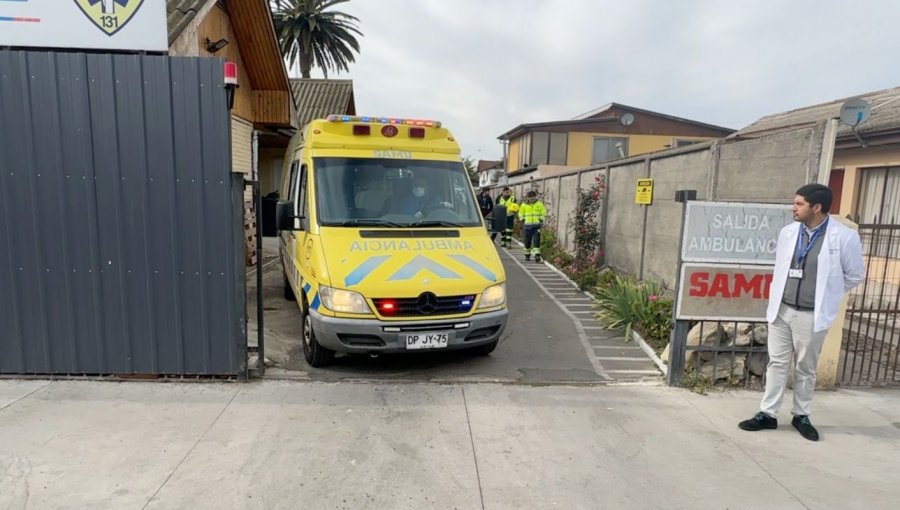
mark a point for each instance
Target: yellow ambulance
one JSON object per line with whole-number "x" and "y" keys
{"x": 382, "y": 243}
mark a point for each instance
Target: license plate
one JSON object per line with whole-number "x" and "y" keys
{"x": 427, "y": 340}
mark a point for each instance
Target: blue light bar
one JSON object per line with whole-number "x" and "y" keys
{"x": 384, "y": 120}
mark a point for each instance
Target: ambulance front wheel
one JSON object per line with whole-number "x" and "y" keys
{"x": 316, "y": 355}
{"x": 484, "y": 350}
{"x": 288, "y": 291}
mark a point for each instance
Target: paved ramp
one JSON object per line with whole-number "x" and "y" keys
{"x": 612, "y": 357}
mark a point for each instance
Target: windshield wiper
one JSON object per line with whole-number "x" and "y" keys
{"x": 365, "y": 223}
{"x": 430, "y": 223}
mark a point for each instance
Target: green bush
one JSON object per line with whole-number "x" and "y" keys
{"x": 626, "y": 303}
{"x": 655, "y": 321}
{"x": 587, "y": 279}
{"x": 562, "y": 260}
{"x": 607, "y": 278}
{"x": 549, "y": 246}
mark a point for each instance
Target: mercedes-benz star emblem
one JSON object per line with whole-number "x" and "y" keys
{"x": 427, "y": 303}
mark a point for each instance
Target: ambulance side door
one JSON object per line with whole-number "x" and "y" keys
{"x": 303, "y": 237}
{"x": 289, "y": 237}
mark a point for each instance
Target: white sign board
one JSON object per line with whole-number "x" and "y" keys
{"x": 132, "y": 25}
{"x": 733, "y": 232}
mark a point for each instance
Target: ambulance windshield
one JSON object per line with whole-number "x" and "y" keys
{"x": 393, "y": 192}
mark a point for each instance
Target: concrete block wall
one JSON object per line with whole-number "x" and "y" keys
{"x": 551, "y": 200}
{"x": 643, "y": 240}
{"x": 568, "y": 198}
{"x": 624, "y": 218}
{"x": 768, "y": 169}
{"x": 663, "y": 226}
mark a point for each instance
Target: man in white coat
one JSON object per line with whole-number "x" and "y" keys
{"x": 817, "y": 261}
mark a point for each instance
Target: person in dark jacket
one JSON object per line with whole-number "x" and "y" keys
{"x": 484, "y": 202}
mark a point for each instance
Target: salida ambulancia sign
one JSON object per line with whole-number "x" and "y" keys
{"x": 736, "y": 233}
{"x": 728, "y": 250}
{"x": 131, "y": 25}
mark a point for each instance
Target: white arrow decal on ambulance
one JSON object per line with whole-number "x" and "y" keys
{"x": 418, "y": 263}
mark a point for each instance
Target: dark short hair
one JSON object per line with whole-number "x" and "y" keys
{"x": 532, "y": 193}
{"x": 817, "y": 194}
{"x": 505, "y": 188}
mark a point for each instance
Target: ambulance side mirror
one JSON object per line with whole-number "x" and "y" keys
{"x": 284, "y": 216}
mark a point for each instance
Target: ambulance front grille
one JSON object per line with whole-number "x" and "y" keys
{"x": 426, "y": 305}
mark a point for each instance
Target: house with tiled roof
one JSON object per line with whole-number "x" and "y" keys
{"x": 612, "y": 131}
{"x": 489, "y": 172}
{"x": 865, "y": 170}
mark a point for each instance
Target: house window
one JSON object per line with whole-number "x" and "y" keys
{"x": 685, "y": 143}
{"x": 608, "y": 149}
{"x": 879, "y": 203}
{"x": 879, "y": 196}
{"x": 525, "y": 150}
{"x": 559, "y": 146}
{"x": 548, "y": 148}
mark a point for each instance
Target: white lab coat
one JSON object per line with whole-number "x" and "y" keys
{"x": 840, "y": 270}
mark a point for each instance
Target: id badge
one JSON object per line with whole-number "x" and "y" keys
{"x": 795, "y": 273}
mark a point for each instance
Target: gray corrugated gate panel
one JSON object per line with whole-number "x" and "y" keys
{"x": 118, "y": 247}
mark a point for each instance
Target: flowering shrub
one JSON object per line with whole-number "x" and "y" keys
{"x": 585, "y": 222}
{"x": 654, "y": 321}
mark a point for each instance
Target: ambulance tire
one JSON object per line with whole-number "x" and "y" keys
{"x": 486, "y": 349}
{"x": 316, "y": 355}
{"x": 288, "y": 291}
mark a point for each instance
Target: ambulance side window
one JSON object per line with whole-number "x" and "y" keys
{"x": 302, "y": 210}
{"x": 292, "y": 183}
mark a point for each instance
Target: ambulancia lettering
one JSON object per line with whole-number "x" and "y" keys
{"x": 418, "y": 245}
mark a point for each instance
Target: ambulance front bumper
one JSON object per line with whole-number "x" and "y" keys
{"x": 377, "y": 336}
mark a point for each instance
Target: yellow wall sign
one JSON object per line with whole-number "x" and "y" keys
{"x": 644, "y": 194}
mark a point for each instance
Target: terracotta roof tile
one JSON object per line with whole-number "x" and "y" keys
{"x": 318, "y": 98}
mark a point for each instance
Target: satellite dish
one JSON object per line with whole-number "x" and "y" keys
{"x": 626, "y": 119}
{"x": 854, "y": 112}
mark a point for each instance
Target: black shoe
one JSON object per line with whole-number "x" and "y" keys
{"x": 761, "y": 421}
{"x": 537, "y": 258}
{"x": 527, "y": 257}
{"x": 806, "y": 429}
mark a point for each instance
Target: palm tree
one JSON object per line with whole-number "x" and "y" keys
{"x": 310, "y": 35}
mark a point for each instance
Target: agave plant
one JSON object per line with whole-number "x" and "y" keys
{"x": 625, "y": 302}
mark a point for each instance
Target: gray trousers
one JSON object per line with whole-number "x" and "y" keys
{"x": 792, "y": 339}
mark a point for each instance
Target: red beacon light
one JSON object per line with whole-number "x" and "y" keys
{"x": 231, "y": 82}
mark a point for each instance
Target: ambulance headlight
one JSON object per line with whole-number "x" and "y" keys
{"x": 493, "y": 296}
{"x": 343, "y": 301}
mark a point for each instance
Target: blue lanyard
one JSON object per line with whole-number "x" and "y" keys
{"x": 801, "y": 254}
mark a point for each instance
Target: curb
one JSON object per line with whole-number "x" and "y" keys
{"x": 264, "y": 267}
{"x": 638, "y": 339}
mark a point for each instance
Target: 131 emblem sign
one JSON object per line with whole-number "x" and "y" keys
{"x": 110, "y": 16}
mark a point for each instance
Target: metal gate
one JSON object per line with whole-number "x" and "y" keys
{"x": 870, "y": 351}
{"x": 121, "y": 245}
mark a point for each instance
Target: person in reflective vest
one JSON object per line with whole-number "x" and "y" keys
{"x": 508, "y": 200}
{"x": 532, "y": 213}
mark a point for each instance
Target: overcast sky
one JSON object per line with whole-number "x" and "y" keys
{"x": 485, "y": 66}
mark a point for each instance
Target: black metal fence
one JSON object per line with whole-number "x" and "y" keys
{"x": 870, "y": 351}
{"x": 120, "y": 233}
{"x": 718, "y": 353}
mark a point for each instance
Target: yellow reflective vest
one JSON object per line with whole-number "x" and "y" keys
{"x": 532, "y": 214}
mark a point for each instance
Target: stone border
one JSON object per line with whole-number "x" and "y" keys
{"x": 638, "y": 339}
